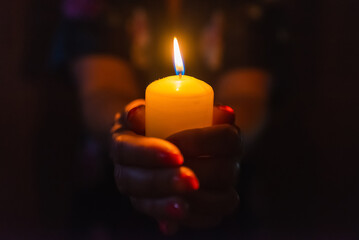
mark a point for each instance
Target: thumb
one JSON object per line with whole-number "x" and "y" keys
{"x": 223, "y": 114}
{"x": 135, "y": 116}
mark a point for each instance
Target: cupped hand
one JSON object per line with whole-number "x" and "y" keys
{"x": 187, "y": 179}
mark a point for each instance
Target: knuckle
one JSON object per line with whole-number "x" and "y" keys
{"x": 118, "y": 123}
{"x": 118, "y": 147}
{"x": 231, "y": 132}
{"x": 121, "y": 180}
{"x": 234, "y": 173}
{"x": 232, "y": 139}
{"x": 118, "y": 178}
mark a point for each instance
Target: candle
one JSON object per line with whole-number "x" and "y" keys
{"x": 178, "y": 102}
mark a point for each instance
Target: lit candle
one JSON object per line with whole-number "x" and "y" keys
{"x": 178, "y": 102}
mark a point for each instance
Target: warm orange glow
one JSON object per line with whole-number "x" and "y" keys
{"x": 226, "y": 108}
{"x": 176, "y": 103}
{"x": 189, "y": 177}
{"x": 177, "y": 58}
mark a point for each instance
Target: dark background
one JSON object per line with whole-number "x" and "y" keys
{"x": 303, "y": 183}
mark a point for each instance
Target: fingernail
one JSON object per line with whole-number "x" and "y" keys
{"x": 135, "y": 120}
{"x": 132, "y": 112}
{"x": 226, "y": 114}
{"x": 167, "y": 228}
{"x": 176, "y": 209}
{"x": 185, "y": 181}
{"x": 225, "y": 108}
{"x": 168, "y": 157}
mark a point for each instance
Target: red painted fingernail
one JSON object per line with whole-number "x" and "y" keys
{"x": 225, "y": 108}
{"x": 132, "y": 112}
{"x": 176, "y": 209}
{"x": 168, "y": 157}
{"x": 223, "y": 114}
{"x": 185, "y": 181}
{"x": 135, "y": 121}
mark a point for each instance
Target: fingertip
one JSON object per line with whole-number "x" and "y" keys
{"x": 223, "y": 114}
{"x": 168, "y": 153}
{"x": 188, "y": 174}
{"x": 136, "y": 119}
{"x": 186, "y": 180}
{"x": 177, "y": 209}
{"x": 225, "y": 108}
{"x": 134, "y": 104}
{"x": 175, "y": 159}
{"x": 168, "y": 228}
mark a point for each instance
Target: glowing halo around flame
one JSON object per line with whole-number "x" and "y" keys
{"x": 178, "y": 62}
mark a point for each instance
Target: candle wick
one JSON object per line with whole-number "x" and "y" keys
{"x": 180, "y": 75}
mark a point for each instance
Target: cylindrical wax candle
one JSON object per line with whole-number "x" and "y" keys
{"x": 176, "y": 103}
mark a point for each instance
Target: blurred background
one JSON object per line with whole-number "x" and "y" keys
{"x": 302, "y": 183}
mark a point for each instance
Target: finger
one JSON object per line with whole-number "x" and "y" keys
{"x": 118, "y": 125}
{"x": 201, "y": 221}
{"x": 214, "y": 173}
{"x": 131, "y": 118}
{"x": 135, "y": 115}
{"x": 168, "y": 227}
{"x": 223, "y": 114}
{"x": 212, "y": 203}
{"x": 219, "y": 140}
{"x": 136, "y": 119}
{"x": 173, "y": 208}
{"x": 134, "y": 150}
{"x": 138, "y": 182}
{"x": 133, "y": 104}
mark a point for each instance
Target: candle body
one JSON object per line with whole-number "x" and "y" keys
{"x": 177, "y": 103}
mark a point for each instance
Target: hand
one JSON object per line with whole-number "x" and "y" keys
{"x": 163, "y": 184}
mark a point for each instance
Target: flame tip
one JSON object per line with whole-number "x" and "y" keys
{"x": 178, "y": 62}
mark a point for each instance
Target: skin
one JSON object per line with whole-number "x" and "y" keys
{"x": 107, "y": 84}
{"x": 186, "y": 180}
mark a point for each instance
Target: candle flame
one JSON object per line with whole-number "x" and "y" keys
{"x": 179, "y": 67}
